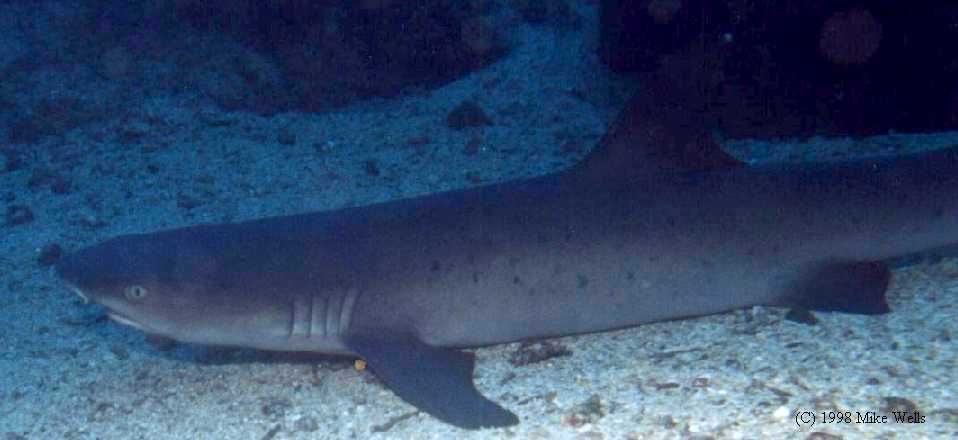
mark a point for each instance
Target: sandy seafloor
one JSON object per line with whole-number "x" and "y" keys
{"x": 65, "y": 373}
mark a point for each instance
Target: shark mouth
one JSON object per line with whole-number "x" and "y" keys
{"x": 86, "y": 300}
{"x": 125, "y": 321}
{"x": 74, "y": 289}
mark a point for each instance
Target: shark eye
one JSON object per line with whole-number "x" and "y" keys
{"x": 134, "y": 292}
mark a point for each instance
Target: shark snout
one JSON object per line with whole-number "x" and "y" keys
{"x": 69, "y": 268}
{"x": 74, "y": 272}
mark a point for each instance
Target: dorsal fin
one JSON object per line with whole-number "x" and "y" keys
{"x": 655, "y": 133}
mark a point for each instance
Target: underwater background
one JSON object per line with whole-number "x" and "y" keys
{"x": 130, "y": 117}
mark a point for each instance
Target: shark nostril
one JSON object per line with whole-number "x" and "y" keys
{"x": 61, "y": 268}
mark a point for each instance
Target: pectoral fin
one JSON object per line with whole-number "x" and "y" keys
{"x": 435, "y": 380}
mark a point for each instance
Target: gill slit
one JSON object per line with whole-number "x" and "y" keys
{"x": 309, "y": 316}
{"x": 328, "y": 316}
{"x": 292, "y": 319}
{"x": 316, "y": 316}
{"x": 332, "y": 318}
{"x": 346, "y": 312}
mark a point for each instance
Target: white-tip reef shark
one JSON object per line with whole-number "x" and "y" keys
{"x": 657, "y": 224}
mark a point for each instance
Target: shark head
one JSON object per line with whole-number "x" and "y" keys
{"x": 126, "y": 276}
{"x": 161, "y": 284}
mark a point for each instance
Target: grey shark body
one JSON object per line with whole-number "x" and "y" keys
{"x": 632, "y": 236}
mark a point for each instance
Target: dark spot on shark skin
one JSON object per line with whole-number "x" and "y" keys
{"x": 630, "y": 275}
{"x": 516, "y": 280}
{"x": 488, "y": 211}
{"x": 434, "y": 266}
{"x": 475, "y": 277}
{"x": 542, "y": 238}
{"x": 939, "y": 212}
{"x": 901, "y": 199}
{"x": 581, "y": 281}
